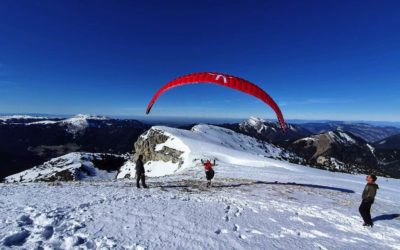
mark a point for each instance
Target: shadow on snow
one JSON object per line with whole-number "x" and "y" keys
{"x": 343, "y": 190}
{"x": 386, "y": 217}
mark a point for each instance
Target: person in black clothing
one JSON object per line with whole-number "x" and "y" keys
{"x": 140, "y": 172}
{"x": 368, "y": 197}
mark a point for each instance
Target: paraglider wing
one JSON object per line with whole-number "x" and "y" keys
{"x": 224, "y": 80}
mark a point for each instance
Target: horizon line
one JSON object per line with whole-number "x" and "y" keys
{"x": 197, "y": 117}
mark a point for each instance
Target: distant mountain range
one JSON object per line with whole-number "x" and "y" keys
{"x": 27, "y": 141}
{"x": 366, "y": 131}
{"x": 333, "y": 146}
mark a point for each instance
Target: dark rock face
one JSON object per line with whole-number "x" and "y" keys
{"x": 389, "y": 161}
{"x": 392, "y": 142}
{"x": 146, "y": 146}
{"x": 24, "y": 144}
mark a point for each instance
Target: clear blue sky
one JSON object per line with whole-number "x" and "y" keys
{"x": 317, "y": 59}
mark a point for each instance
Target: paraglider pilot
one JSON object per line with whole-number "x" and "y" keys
{"x": 140, "y": 172}
{"x": 209, "y": 171}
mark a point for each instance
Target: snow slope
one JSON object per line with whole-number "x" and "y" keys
{"x": 208, "y": 142}
{"x": 278, "y": 206}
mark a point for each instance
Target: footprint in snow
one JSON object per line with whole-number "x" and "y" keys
{"x": 24, "y": 220}
{"x": 254, "y": 231}
{"x": 227, "y": 208}
{"x": 243, "y": 237}
{"x": 226, "y": 218}
{"x": 16, "y": 239}
{"x": 47, "y": 232}
{"x": 219, "y": 231}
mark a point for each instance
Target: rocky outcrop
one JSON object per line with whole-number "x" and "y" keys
{"x": 150, "y": 146}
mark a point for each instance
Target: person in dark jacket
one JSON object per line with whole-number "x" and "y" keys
{"x": 140, "y": 172}
{"x": 368, "y": 197}
{"x": 209, "y": 171}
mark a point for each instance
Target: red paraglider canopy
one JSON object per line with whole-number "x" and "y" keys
{"x": 224, "y": 80}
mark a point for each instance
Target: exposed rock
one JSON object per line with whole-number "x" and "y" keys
{"x": 146, "y": 146}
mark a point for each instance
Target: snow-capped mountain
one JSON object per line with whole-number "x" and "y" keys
{"x": 368, "y": 132}
{"x": 72, "y": 167}
{"x": 338, "y": 151}
{"x": 74, "y": 124}
{"x": 170, "y": 150}
{"x": 20, "y": 119}
{"x": 269, "y": 131}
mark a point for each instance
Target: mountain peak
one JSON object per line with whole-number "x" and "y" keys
{"x": 255, "y": 120}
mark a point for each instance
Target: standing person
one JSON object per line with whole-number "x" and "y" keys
{"x": 140, "y": 172}
{"x": 368, "y": 197}
{"x": 209, "y": 171}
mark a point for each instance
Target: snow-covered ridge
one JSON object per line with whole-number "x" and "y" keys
{"x": 341, "y": 137}
{"x": 73, "y": 125}
{"x": 204, "y": 142}
{"x": 21, "y": 117}
{"x": 72, "y": 166}
{"x": 80, "y": 122}
{"x": 271, "y": 130}
{"x": 337, "y": 136}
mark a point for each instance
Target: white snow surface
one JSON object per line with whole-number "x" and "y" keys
{"x": 278, "y": 206}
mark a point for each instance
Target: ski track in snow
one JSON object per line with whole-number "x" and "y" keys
{"x": 245, "y": 209}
